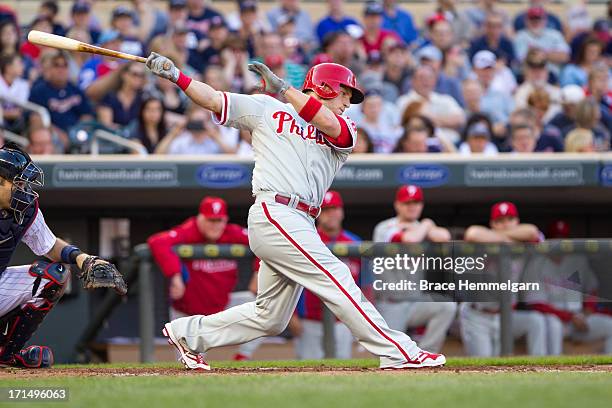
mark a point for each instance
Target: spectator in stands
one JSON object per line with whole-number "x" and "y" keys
{"x": 445, "y": 85}
{"x": 552, "y": 21}
{"x": 65, "y": 102}
{"x": 600, "y": 30}
{"x": 588, "y": 116}
{"x": 550, "y": 139}
{"x": 497, "y": 104}
{"x": 211, "y": 53}
{"x": 396, "y": 72}
{"x": 149, "y": 19}
{"x": 480, "y": 13}
{"x": 77, "y": 59}
{"x": 49, "y": 9}
{"x": 480, "y": 321}
{"x": 477, "y": 136}
{"x": 174, "y": 44}
{"x": 494, "y": 40}
{"x": 337, "y": 20}
{"x": 201, "y": 136}
{"x": 374, "y": 37}
{"x": 589, "y": 54}
{"x": 203, "y": 287}
{"x": 33, "y": 51}
{"x": 119, "y": 108}
{"x": 150, "y": 127}
{"x": 462, "y": 29}
{"x": 364, "y": 143}
{"x": 175, "y": 16}
{"x": 384, "y": 134}
{"x": 580, "y": 141}
{"x": 341, "y": 49}
{"x": 598, "y": 87}
{"x": 15, "y": 88}
{"x": 443, "y": 110}
{"x": 309, "y": 345}
{"x": 271, "y": 44}
{"x": 414, "y": 120}
{"x": 455, "y": 63}
{"x": 304, "y": 29}
{"x": 415, "y": 140}
{"x": 523, "y": 138}
{"x": 200, "y": 16}
{"x": 249, "y": 26}
{"x": 535, "y": 69}
{"x": 122, "y": 20}
{"x": 577, "y": 19}
{"x": 571, "y": 96}
{"x": 440, "y": 32}
{"x": 294, "y": 50}
{"x": 412, "y": 309}
{"x": 9, "y": 45}
{"x": 41, "y": 141}
{"x": 537, "y": 35}
{"x": 100, "y": 74}
{"x": 399, "y": 20}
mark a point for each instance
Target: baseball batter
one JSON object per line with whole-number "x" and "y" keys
{"x": 298, "y": 148}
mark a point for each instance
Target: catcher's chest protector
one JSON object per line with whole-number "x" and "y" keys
{"x": 11, "y": 233}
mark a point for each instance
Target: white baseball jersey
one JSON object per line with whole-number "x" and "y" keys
{"x": 384, "y": 230}
{"x": 291, "y": 156}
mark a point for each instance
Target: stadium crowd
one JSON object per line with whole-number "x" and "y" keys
{"x": 470, "y": 79}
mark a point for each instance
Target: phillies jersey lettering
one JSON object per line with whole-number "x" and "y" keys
{"x": 291, "y": 156}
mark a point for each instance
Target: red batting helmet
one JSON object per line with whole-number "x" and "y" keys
{"x": 332, "y": 75}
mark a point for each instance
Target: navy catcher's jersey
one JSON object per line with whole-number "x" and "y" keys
{"x": 11, "y": 232}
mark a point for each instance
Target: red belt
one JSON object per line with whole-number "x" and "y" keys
{"x": 301, "y": 205}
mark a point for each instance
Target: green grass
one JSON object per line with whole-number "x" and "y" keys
{"x": 441, "y": 388}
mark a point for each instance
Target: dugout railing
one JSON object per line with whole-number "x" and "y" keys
{"x": 597, "y": 249}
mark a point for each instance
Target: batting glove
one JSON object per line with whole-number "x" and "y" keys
{"x": 271, "y": 83}
{"x": 163, "y": 67}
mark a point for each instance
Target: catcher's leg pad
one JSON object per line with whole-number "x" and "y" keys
{"x": 17, "y": 326}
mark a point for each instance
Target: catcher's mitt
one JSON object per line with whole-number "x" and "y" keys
{"x": 98, "y": 273}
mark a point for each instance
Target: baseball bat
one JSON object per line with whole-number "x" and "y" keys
{"x": 64, "y": 43}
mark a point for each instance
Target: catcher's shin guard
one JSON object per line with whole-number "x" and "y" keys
{"x": 19, "y": 325}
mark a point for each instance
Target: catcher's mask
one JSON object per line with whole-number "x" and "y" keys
{"x": 17, "y": 167}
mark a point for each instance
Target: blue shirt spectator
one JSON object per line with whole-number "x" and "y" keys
{"x": 400, "y": 21}
{"x": 337, "y": 20}
{"x": 552, "y": 21}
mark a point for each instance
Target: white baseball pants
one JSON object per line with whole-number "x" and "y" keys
{"x": 600, "y": 328}
{"x": 293, "y": 256}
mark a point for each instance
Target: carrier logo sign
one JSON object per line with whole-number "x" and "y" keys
{"x": 606, "y": 175}
{"x": 425, "y": 175}
{"x": 223, "y": 175}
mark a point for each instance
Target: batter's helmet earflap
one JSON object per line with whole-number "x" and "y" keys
{"x": 334, "y": 76}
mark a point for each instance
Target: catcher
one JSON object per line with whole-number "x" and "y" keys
{"x": 29, "y": 292}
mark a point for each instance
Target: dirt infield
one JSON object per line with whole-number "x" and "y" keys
{"x": 13, "y": 373}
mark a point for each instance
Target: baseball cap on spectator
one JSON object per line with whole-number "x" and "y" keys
{"x": 122, "y": 11}
{"x": 373, "y": 8}
{"x": 217, "y": 22}
{"x": 213, "y": 207}
{"x": 248, "y": 5}
{"x": 429, "y": 52}
{"x": 408, "y": 193}
{"x": 176, "y": 4}
{"x": 274, "y": 60}
{"x": 503, "y": 209}
{"x": 179, "y": 28}
{"x": 432, "y": 20}
{"x": 558, "y": 229}
{"x": 478, "y": 129}
{"x": 535, "y": 13}
{"x": 601, "y": 28}
{"x": 80, "y": 7}
{"x": 108, "y": 36}
{"x": 572, "y": 94}
{"x": 332, "y": 199}
{"x": 484, "y": 59}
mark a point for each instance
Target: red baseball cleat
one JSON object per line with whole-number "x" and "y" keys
{"x": 190, "y": 360}
{"x": 423, "y": 359}
{"x": 241, "y": 357}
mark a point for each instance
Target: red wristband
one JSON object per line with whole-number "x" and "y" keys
{"x": 183, "y": 81}
{"x": 310, "y": 109}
